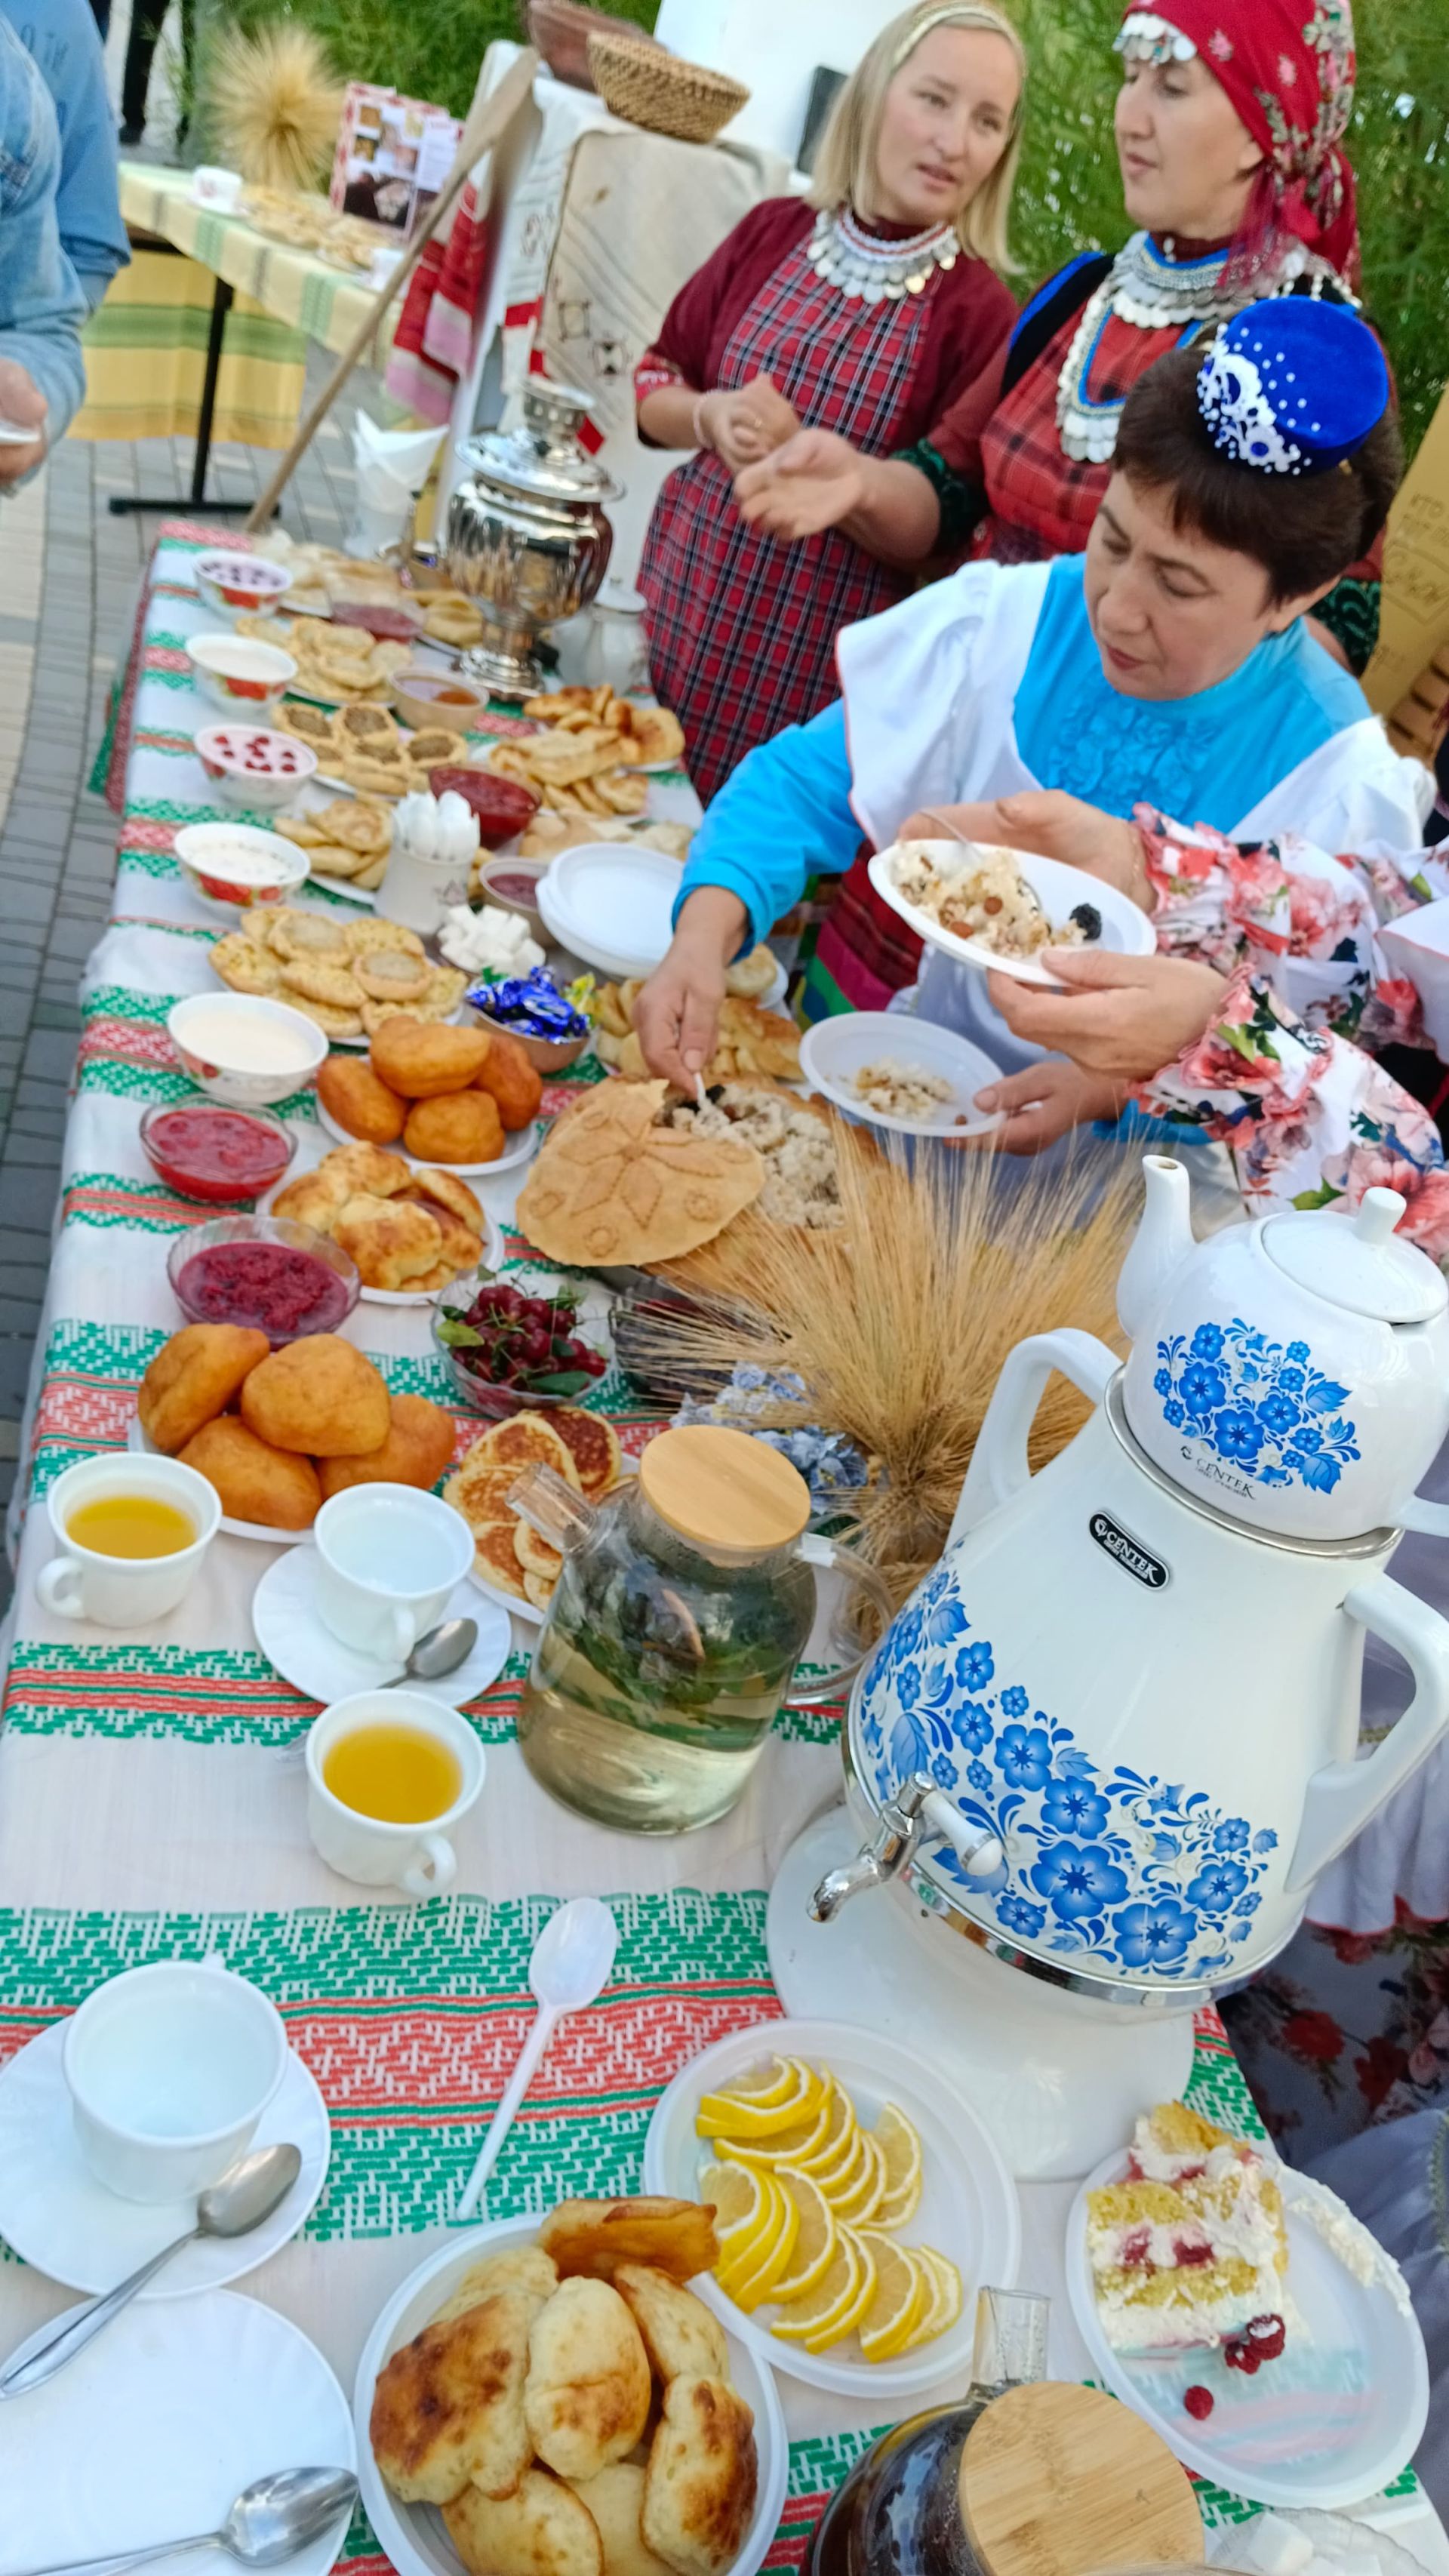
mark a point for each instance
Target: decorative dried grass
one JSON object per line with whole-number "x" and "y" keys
{"x": 899, "y": 1320}
{"x": 276, "y": 103}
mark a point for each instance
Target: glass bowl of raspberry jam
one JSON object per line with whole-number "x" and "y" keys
{"x": 264, "y": 1272}
{"x": 217, "y": 1155}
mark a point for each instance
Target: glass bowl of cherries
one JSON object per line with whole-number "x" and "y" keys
{"x": 508, "y": 1352}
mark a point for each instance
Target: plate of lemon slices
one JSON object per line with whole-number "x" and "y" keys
{"x": 859, "y": 2202}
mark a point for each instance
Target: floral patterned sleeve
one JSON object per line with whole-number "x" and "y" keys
{"x": 1309, "y": 1119}
{"x": 1286, "y": 909}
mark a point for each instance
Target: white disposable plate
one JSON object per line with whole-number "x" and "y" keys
{"x": 141, "y": 1445}
{"x": 350, "y": 893}
{"x": 1335, "y": 2418}
{"x": 154, "y": 2428}
{"x": 492, "y": 1234}
{"x": 413, "y": 2535}
{"x": 519, "y": 1147}
{"x": 834, "y": 1051}
{"x": 611, "y": 904}
{"x": 57, "y": 2217}
{"x": 1126, "y": 932}
{"x": 968, "y": 2208}
{"x": 304, "y": 1651}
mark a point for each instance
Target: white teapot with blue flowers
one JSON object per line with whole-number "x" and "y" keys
{"x": 1114, "y": 1735}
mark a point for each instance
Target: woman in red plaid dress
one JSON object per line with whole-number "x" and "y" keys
{"x": 1229, "y": 127}
{"x": 867, "y": 314}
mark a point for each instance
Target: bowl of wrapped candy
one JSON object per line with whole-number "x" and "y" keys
{"x": 551, "y": 1026}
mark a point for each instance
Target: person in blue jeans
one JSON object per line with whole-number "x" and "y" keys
{"x": 61, "y": 38}
{"x": 42, "y": 373}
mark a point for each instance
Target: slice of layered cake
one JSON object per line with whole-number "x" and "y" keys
{"x": 1191, "y": 2248}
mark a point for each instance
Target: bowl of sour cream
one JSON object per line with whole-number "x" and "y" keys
{"x": 234, "y": 865}
{"x": 243, "y": 1050}
{"x": 241, "y": 676}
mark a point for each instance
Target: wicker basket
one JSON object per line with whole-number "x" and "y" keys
{"x": 560, "y": 31}
{"x": 640, "y": 81}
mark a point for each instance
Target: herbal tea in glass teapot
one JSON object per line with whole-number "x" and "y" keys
{"x": 681, "y": 1610}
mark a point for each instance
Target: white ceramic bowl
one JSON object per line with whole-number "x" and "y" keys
{"x": 234, "y": 865}
{"x": 237, "y": 585}
{"x": 413, "y": 2535}
{"x": 1126, "y": 931}
{"x": 253, "y": 769}
{"x": 834, "y": 1051}
{"x": 170, "y": 2068}
{"x": 241, "y": 676}
{"x": 201, "y": 1026}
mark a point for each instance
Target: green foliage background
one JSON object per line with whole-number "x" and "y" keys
{"x": 1069, "y": 197}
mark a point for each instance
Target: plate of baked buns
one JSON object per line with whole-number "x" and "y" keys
{"x": 551, "y": 2399}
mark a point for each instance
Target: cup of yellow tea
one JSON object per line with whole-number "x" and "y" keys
{"x": 388, "y": 1773}
{"x": 130, "y": 1536}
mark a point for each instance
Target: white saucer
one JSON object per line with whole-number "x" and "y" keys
{"x": 151, "y": 2431}
{"x": 306, "y": 1654}
{"x": 55, "y": 2215}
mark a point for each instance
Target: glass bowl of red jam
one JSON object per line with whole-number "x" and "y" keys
{"x": 219, "y": 1156}
{"x": 265, "y": 1273}
{"x": 504, "y": 806}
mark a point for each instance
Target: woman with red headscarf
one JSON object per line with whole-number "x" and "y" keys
{"x": 1229, "y": 127}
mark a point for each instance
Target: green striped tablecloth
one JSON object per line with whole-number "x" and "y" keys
{"x": 151, "y": 1786}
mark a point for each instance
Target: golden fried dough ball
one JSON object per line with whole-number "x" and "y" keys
{"x": 193, "y": 1378}
{"x": 682, "y": 2339}
{"x": 702, "y": 2477}
{"x": 444, "y": 1189}
{"x": 449, "y": 2406}
{"x": 420, "y": 1059}
{"x": 419, "y": 1445}
{"x": 350, "y": 1091}
{"x": 615, "y": 2498}
{"x": 520, "y": 2267}
{"x": 588, "y": 2389}
{"x": 455, "y": 1127}
{"x": 254, "y": 1481}
{"x": 394, "y": 1242}
{"x": 514, "y": 1083}
{"x": 318, "y": 1396}
{"x": 540, "y": 2530}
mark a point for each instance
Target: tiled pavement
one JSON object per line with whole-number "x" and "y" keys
{"x": 69, "y": 580}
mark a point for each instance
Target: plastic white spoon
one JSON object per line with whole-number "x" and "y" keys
{"x": 570, "y": 1966}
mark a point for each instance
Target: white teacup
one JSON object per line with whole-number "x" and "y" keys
{"x": 170, "y": 2068}
{"x": 389, "y": 1559}
{"x": 418, "y": 1859}
{"x": 124, "y": 1591}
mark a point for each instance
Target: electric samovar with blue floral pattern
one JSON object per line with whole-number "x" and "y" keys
{"x": 1114, "y": 1735}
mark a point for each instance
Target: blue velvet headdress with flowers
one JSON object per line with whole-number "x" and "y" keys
{"x": 1293, "y": 386}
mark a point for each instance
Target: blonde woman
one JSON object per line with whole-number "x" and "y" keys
{"x": 867, "y": 310}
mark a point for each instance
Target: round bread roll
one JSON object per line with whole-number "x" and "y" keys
{"x": 702, "y": 2478}
{"x": 420, "y": 1059}
{"x": 539, "y": 2530}
{"x": 455, "y": 1127}
{"x": 319, "y": 1397}
{"x": 353, "y": 1095}
{"x": 193, "y": 1377}
{"x": 615, "y": 2498}
{"x": 253, "y": 1481}
{"x": 449, "y": 2406}
{"x": 587, "y": 2394}
{"x": 418, "y": 1447}
{"x": 681, "y": 2337}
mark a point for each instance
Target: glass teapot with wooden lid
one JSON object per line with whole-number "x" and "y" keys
{"x": 683, "y": 1603}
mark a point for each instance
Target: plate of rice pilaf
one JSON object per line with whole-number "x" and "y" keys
{"x": 1001, "y": 910}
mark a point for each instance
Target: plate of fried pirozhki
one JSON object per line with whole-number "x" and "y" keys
{"x": 366, "y": 747}
{"x": 334, "y": 663}
{"x": 511, "y": 1562}
{"x": 466, "y": 1098}
{"x": 553, "y": 2400}
{"x": 351, "y": 977}
{"x": 279, "y": 1432}
{"x": 592, "y": 751}
{"x": 409, "y": 1230}
{"x": 750, "y": 1040}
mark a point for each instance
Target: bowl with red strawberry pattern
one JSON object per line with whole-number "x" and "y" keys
{"x": 254, "y": 769}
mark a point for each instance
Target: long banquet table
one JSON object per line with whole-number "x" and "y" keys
{"x": 151, "y": 1783}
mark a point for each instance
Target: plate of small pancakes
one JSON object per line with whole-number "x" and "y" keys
{"x": 552, "y": 2400}
{"x": 512, "y": 1564}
